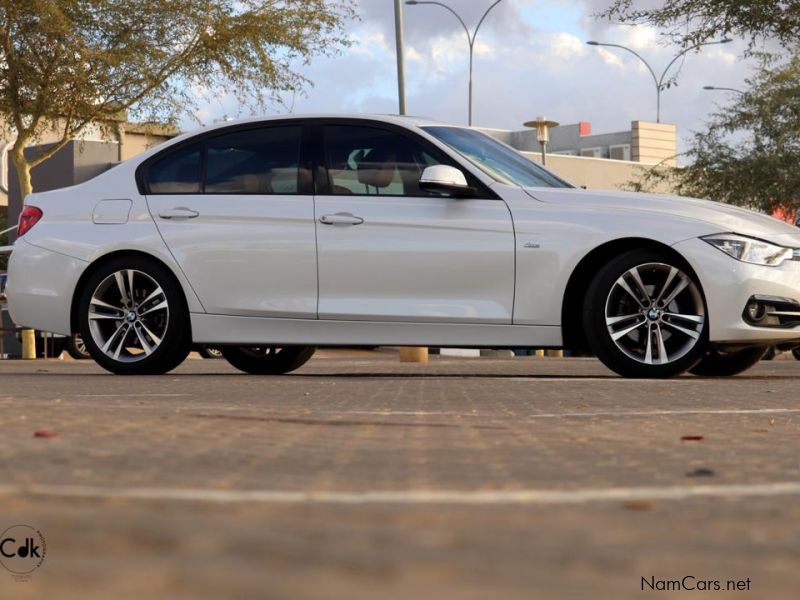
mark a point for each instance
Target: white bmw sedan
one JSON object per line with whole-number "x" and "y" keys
{"x": 273, "y": 236}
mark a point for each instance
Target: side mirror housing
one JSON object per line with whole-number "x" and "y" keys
{"x": 444, "y": 179}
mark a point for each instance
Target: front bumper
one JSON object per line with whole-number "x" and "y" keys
{"x": 40, "y": 287}
{"x": 728, "y": 285}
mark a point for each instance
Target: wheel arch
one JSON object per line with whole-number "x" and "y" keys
{"x": 573, "y": 334}
{"x": 106, "y": 258}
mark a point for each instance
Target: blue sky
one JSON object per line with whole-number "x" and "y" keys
{"x": 530, "y": 60}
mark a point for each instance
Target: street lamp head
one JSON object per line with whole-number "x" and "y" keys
{"x": 725, "y": 41}
{"x": 411, "y": 2}
{"x": 709, "y": 87}
{"x": 542, "y": 126}
{"x": 592, "y": 43}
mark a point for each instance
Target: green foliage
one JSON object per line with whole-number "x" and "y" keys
{"x": 67, "y": 63}
{"x": 695, "y": 21}
{"x": 749, "y": 152}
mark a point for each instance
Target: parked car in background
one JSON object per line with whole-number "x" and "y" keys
{"x": 76, "y": 347}
{"x": 269, "y": 237}
{"x": 211, "y": 352}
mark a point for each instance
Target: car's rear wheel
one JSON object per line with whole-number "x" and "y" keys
{"x": 133, "y": 317}
{"x": 267, "y": 360}
{"x": 718, "y": 363}
{"x": 645, "y": 315}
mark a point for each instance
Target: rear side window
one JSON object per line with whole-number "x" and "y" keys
{"x": 179, "y": 172}
{"x": 259, "y": 161}
{"x": 254, "y": 161}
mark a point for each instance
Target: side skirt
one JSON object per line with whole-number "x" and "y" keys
{"x": 223, "y": 329}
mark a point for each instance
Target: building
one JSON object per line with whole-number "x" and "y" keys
{"x": 126, "y": 139}
{"x": 599, "y": 161}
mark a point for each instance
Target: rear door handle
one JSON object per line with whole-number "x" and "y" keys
{"x": 181, "y": 212}
{"x": 342, "y": 218}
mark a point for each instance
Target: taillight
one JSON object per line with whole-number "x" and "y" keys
{"x": 29, "y": 217}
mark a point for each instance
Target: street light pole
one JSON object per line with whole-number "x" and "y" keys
{"x": 659, "y": 81}
{"x": 401, "y": 69}
{"x": 470, "y": 40}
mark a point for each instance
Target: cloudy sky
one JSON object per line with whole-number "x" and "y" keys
{"x": 530, "y": 59}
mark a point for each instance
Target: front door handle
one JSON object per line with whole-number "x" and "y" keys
{"x": 181, "y": 212}
{"x": 341, "y": 218}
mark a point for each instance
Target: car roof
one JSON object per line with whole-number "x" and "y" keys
{"x": 402, "y": 120}
{"x": 406, "y": 120}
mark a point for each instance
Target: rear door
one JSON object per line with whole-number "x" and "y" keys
{"x": 236, "y": 210}
{"x": 390, "y": 251}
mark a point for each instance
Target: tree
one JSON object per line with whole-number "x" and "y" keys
{"x": 695, "y": 21}
{"x": 749, "y": 151}
{"x": 67, "y": 63}
{"x": 3, "y": 238}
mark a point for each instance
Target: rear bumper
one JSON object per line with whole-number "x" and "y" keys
{"x": 40, "y": 287}
{"x": 728, "y": 284}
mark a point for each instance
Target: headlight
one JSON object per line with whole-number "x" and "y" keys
{"x": 750, "y": 250}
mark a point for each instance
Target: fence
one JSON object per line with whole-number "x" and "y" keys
{"x": 7, "y": 249}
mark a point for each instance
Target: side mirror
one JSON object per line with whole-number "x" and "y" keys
{"x": 444, "y": 179}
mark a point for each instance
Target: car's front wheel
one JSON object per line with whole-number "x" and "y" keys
{"x": 718, "y": 363}
{"x": 267, "y": 360}
{"x": 645, "y": 315}
{"x": 133, "y": 317}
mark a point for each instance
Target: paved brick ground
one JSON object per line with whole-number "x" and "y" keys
{"x": 544, "y": 461}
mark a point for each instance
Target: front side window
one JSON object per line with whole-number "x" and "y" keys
{"x": 254, "y": 161}
{"x": 497, "y": 160}
{"x": 179, "y": 172}
{"x": 369, "y": 161}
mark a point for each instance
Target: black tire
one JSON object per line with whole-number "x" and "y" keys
{"x": 770, "y": 354}
{"x": 796, "y": 352}
{"x": 726, "y": 364}
{"x": 263, "y": 360}
{"x": 649, "y": 321}
{"x": 174, "y": 333}
{"x": 210, "y": 352}
{"x": 76, "y": 347}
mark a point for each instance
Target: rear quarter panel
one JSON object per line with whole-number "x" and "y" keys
{"x": 68, "y": 228}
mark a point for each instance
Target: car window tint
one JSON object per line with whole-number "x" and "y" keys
{"x": 177, "y": 173}
{"x": 254, "y": 161}
{"x": 375, "y": 162}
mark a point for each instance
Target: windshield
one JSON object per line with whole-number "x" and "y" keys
{"x": 502, "y": 163}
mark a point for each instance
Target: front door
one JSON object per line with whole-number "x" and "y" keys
{"x": 389, "y": 251}
{"x": 237, "y": 212}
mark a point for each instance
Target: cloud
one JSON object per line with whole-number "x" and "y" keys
{"x": 530, "y": 59}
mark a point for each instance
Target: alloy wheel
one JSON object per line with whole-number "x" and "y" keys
{"x": 655, "y": 313}
{"x": 80, "y": 345}
{"x": 128, "y": 315}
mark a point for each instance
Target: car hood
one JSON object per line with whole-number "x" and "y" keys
{"x": 720, "y": 217}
